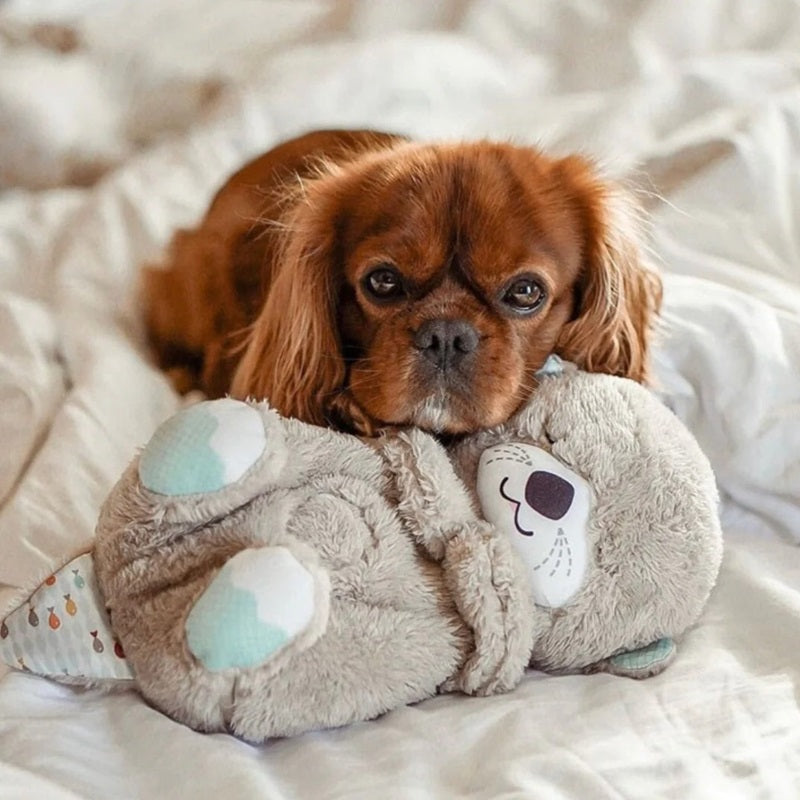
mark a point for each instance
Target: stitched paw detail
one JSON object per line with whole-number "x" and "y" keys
{"x": 203, "y": 448}
{"x": 258, "y": 603}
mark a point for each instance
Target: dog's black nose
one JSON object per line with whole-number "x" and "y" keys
{"x": 445, "y": 342}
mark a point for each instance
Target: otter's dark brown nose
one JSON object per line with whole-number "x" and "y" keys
{"x": 548, "y": 494}
{"x": 445, "y": 342}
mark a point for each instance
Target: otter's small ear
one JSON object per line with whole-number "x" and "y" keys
{"x": 552, "y": 367}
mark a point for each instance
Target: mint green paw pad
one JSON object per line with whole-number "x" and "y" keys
{"x": 203, "y": 448}
{"x": 258, "y": 603}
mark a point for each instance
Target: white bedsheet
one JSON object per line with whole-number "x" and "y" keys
{"x": 697, "y": 103}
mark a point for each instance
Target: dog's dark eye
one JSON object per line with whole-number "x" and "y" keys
{"x": 384, "y": 283}
{"x": 525, "y": 295}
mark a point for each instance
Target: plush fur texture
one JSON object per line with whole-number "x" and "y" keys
{"x": 396, "y": 621}
{"x": 415, "y": 593}
{"x": 654, "y": 531}
{"x": 269, "y": 297}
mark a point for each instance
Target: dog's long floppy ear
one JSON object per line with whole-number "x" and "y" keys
{"x": 618, "y": 292}
{"x": 293, "y": 356}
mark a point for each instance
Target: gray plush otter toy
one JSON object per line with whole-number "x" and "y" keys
{"x": 267, "y": 577}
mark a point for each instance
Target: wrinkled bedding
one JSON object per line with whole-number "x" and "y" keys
{"x": 118, "y": 120}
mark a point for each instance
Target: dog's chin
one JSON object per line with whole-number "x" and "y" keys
{"x": 443, "y": 414}
{"x": 435, "y": 414}
{"x": 444, "y": 408}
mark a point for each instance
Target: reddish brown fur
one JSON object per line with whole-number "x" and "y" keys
{"x": 280, "y": 258}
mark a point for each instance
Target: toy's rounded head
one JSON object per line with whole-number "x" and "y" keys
{"x": 611, "y": 504}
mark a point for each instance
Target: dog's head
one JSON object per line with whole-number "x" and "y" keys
{"x": 426, "y": 284}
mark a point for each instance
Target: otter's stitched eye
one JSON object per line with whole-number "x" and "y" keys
{"x": 384, "y": 283}
{"x": 524, "y": 295}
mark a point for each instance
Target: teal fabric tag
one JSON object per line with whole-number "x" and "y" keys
{"x": 645, "y": 659}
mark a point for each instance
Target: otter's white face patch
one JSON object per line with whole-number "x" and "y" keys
{"x": 544, "y": 507}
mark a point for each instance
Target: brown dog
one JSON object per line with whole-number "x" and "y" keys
{"x": 360, "y": 279}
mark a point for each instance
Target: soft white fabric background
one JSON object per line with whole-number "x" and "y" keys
{"x": 696, "y": 104}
